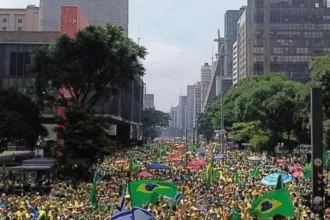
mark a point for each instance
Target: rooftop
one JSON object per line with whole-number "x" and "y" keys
{"x": 36, "y": 37}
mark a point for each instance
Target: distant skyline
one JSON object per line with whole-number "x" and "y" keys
{"x": 178, "y": 36}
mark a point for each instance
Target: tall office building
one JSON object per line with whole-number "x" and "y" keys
{"x": 205, "y": 80}
{"x": 197, "y": 101}
{"x": 182, "y": 112}
{"x": 19, "y": 19}
{"x": 235, "y": 63}
{"x": 242, "y": 47}
{"x": 190, "y": 115}
{"x": 98, "y": 12}
{"x": 284, "y": 36}
{"x": 148, "y": 101}
{"x": 174, "y": 113}
{"x": 231, "y": 18}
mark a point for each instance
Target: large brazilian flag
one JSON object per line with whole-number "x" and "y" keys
{"x": 277, "y": 202}
{"x": 145, "y": 191}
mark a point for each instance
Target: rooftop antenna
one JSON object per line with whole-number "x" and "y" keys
{"x": 212, "y": 54}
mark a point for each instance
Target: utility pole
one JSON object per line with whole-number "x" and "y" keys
{"x": 221, "y": 55}
{"x": 318, "y": 185}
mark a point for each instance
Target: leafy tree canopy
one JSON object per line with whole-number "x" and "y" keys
{"x": 97, "y": 63}
{"x": 205, "y": 127}
{"x": 153, "y": 118}
{"x": 20, "y": 119}
{"x": 85, "y": 141}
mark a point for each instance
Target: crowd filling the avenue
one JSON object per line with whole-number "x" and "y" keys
{"x": 172, "y": 181}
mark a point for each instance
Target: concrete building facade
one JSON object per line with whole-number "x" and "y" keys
{"x": 197, "y": 101}
{"x": 148, "y": 101}
{"x": 231, "y": 18}
{"x": 72, "y": 20}
{"x": 205, "y": 80}
{"x": 235, "y": 63}
{"x": 182, "y": 112}
{"x": 175, "y": 117}
{"x": 190, "y": 110}
{"x": 242, "y": 47}
{"x": 284, "y": 36}
{"x": 26, "y": 19}
{"x": 98, "y": 12}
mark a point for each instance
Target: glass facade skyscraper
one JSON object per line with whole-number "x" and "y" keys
{"x": 98, "y": 12}
{"x": 285, "y": 35}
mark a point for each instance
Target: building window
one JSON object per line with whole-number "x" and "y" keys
{"x": 19, "y": 63}
{"x": 13, "y": 63}
{"x": 20, "y": 21}
{"x": 19, "y": 29}
{"x": 4, "y": 20}
{"x": 4, "y": 28}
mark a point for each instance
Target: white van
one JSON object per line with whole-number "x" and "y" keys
{"x": 303, "y": 149}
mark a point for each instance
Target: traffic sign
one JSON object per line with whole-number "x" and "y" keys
{"x": 318, "y": 162}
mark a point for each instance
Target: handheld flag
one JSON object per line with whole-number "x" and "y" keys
{"x": 307, "y": 170}
{"x": 255, "y": 171}
{"x": 280, "y": 183}
{"x": 273, "y": 203}
{"x": 132, "y": 163}
{"x": 93, "y": 192}
{"x": 143, "y": 191}
{"x": 121, "y": 205}
{"x": 42, "y": 215}
{"x": 176, "y": 199}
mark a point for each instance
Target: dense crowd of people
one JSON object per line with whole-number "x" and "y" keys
{"x": 225, "y": 196}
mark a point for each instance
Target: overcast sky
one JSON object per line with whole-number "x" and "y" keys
{"x": 179, "y": 37}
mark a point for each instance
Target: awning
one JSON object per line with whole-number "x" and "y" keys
{"x": 30, "y": 167}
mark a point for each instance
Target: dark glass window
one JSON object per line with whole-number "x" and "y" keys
{"x": 27, "y": 63}
{"x": 13, "y": 63}
{"x": 20, "y": 64}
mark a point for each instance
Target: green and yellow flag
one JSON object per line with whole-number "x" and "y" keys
{"x": 144, "y": 191}
{"x": 132, "y": 163}
{"x": 307, "y": 170}
{"x": 210, "y": 174}
{"x": 93, "y": 192}
{"x": 255, "y": 171}
{"x": 42, "y": 215}
{"x": 273, "y": 203}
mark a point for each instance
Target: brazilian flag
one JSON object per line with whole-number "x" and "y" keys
{"x": 145, "y": 191}
{"x": 307, "y": 170}
{"x": 277, "y": 202}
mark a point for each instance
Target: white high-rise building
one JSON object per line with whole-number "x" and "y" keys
{"x": 205, "y": 80}
{"x": 197, "y": 101}
{"x": 190, "y": 108}
{"x": 148, "y": 101}
{"x": 98, "y": 12}
{"x": 182, "y": 112}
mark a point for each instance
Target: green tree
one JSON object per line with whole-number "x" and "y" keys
{"x": 205, "y": 127}
{"x": 85, "y": 142}
{"x": 94, "y": 65}
{"x": 20, "y": 119}
{"x": 242, "y": 132}
{"x": 260, "y": 142}
{"x": 152, "y": 119}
